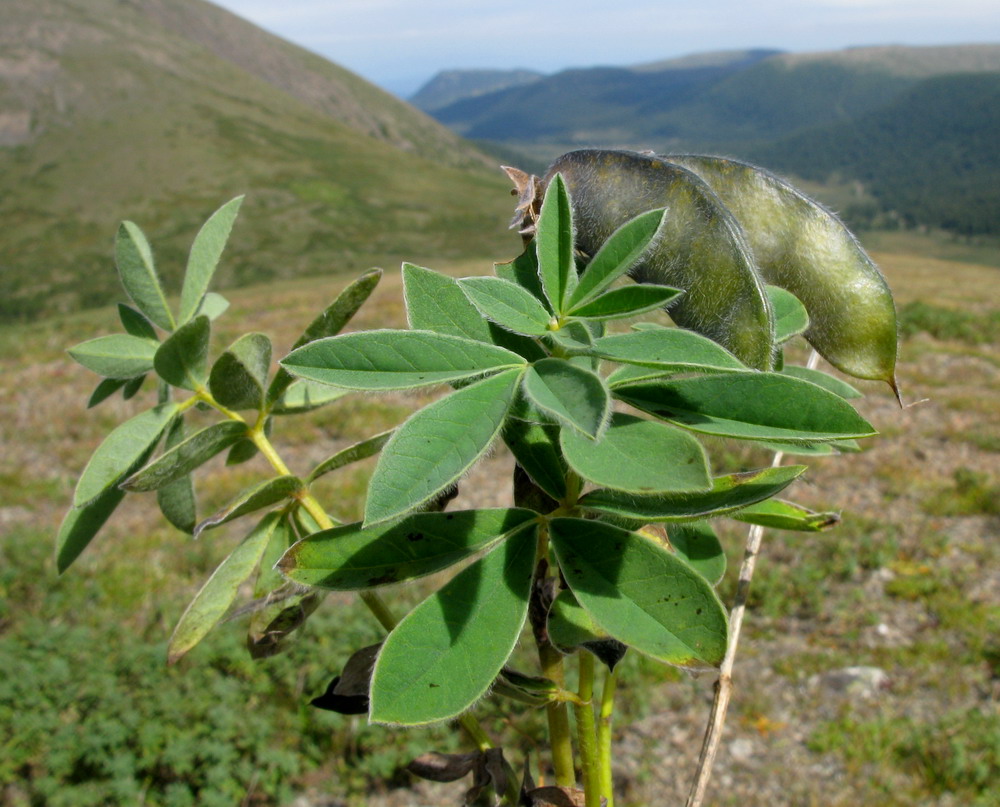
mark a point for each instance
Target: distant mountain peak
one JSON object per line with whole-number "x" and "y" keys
{"x": 449, "y": 86}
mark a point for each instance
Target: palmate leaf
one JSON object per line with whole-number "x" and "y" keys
{"x": 257, "y": 497}
{"x": 536, "y": 449}
{"x": 204, "y": 257}
{"x": 782, "y": 515}
{"x": 354, "y": 453}
{"x": 443, "y": 656}
{"x": 239, "y": 376}
{"x": 667, "y": 349}
{"x": 352, "y": 557}
{"x": 219, "y": 591}
{"x": 435, "y": 302}
{"x": 639, "y": 456}
{"x": 119, "y": 356}
{"x": 616, "y": 256}
{"x": 627, "y": 301}
{"x": 640, "y": 593}
{"x": 523, "y": 270}
{"x": 554, "y": 245}
{"x": 573, "y": 395}
{"x": 790, "y": 316}
{"x": 506, "y": 304}
{"x": 104, "y": 390}
{"x": 120, "y": 451}
{"x": 81, "y": 524}
{"x": 176, "y": 500}
{"x": 388, "y": 359}
{"x": 750, "y": 406}
{"x": 187, "y": 455}
{"x": 182, "y": 358}
{"x": 824, "y": 380}
{"x": 437, "y": 445}
{"x": 729, "y": 493}
{"x": 329, "y": 323}
{"x": 135, "y": 323}
{"x": 134, "y": 260}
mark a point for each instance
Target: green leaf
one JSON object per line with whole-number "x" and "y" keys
{"x": 554, "y": 244}
{"x": 523, "y": 270}
{"x": 790, "y": 316}
{"x": 213, "y": 600}
{"x": 445, "y": 653}
{"x": 698, "y": 544}
{"x": 824, "y": 380}
{"x": 640, "y": 593}
{"x": 352, "y": 557}
{"x": 386, "y": 359}
{"x": 132, "y": 386}
{"x": 135, "y": 324}
{"x": 627, "y": 301}
{"x": 329, "y": 323}
{"x": 506, "y": 304}
{"x": 617, "y": 255}
{"x": 750, "y": 406}
{"x": 437, "y": 445}
{"x": 570, "y": 625}
{"x": 119, "y": 355}
{"x": 434, "y": 302}
{"x": 134, "y": 259}
{"x": 182, "y": 359}
{"x": 782, "y": 515}
{"x": 304, "y": 396}
{"x": 187, "y": 455}
{"x": 358, "y": 451}
{"x": 177, "y": 500}
{"x": 639, "y": 456}
{"x": 213, "y": 306}
{"x": 204, "y": 257}
{"x": 728, "y": 493}
{"x": 104, "y": 390}
{"x": 670, "y": 349}
{"x": 571, "y": 394}
{"x": 239, "y": 376}
{"x": 802, "y": 449}
{"x": 118, "y": 454}
{"x": 536, "y": 449}
{"x": 81, "y": 524}
{"x": 264, "y": 494}
{"x": 281, "y": 607}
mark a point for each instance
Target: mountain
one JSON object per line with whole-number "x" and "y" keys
{"x": 930, "y": 156}
{"x": 710, "y": 103}
{"x": 449, "y": 86}
{"x": 161, "y": 110}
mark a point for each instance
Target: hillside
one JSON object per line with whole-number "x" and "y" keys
{"x": 704, "y": 103}
{"x": 160, "y": 110}
{"x": 449, "y": 86}
{"x": 931, "y": 155}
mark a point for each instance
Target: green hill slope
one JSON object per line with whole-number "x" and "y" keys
{"x": 707, "y": 103}
{"x": 931, "y": 155}
{"x": 160, "y": 110}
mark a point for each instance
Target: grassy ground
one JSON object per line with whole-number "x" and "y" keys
{"x": 90, "y": 714}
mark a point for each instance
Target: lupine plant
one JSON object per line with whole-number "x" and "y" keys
{"x": 608, "y": 548}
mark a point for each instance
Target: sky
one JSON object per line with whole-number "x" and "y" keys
{"x": 400, "y": 44}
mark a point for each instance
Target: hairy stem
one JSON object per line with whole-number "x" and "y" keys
{"x": 604, "y": 736}
{"x": 586, "y": 733}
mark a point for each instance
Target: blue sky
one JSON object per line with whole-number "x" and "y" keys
{"x": 399, "y": 44}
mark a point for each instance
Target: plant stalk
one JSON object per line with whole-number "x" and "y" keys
{"x": 586, "y": 732}
{"x": 604, "y": 736}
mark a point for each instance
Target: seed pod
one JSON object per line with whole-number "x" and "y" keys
{"x": 702, "y": 248}
{"x": 804, "y": 248}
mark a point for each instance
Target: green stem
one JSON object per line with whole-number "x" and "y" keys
{"x": 557, "y": 712}
{"x": 604, "y": 736}
{"x": 585, "y": 732}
